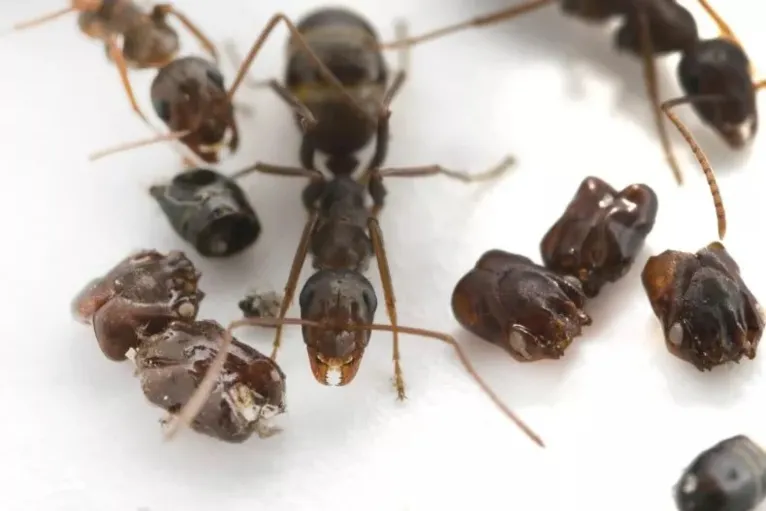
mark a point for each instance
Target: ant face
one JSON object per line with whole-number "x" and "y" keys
{"x": 718, "y": 67}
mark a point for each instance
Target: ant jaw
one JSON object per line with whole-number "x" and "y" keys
{"x": 739, "y": 135}
{"x": 334, "y": 371}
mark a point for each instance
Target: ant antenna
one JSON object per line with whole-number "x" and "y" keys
{"x": 164, "y": 137}
{"x": 487, "y": 19}
{"x": 720, "y": 212}
{"x": 77, "y": 5}
{"x": 197, "y": 401}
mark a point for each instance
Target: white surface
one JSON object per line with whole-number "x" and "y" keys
{"x": 620, "y": 416}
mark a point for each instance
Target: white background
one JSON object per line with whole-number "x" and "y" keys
{"x": 621, "y": 417}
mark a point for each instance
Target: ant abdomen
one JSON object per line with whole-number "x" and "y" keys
{"x": 346, "y": 43}
{"x": 718, "y": 67}
{"x": 730, "y": 476}
{"x": 526, "y": 309}
{"x": 337, "y": 297}
{"x": 249, "y": 391}
{"x": 210, "y": 211}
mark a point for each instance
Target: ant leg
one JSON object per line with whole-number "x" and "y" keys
{"x": 162, "y": 137}
{"x": 723, "y": 28}
{"x": 292, "y": 279}
{"x": 45, "y": 18}
{"x": 699, "y": 154}
{"x": 466, "y": 362}
{"x": 278, "y": 170}
{"x": 652, "y": 90}
{"x": 301, "y": 41}
{"x": 162, "y": 10}
{"x": 431, "y": 170}
{"x": 232, "y": 53}
{"x": 759, "y": 85}
{"x": 122, "y": 67}
{"x": 376, "y": 236}
{"x": 487, "y": 19}
{"x": 308, "y": 121}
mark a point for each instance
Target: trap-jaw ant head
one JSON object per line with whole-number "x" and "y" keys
{"x": 529, "y": 311}
{"x": 209, "y": 211}
{"x": 728, "y": 476}
{"x": 336, "y": 299}
{"x": 189, "y": 96}
{"x": 600, "y": 233}
{"x": 249, "y": 392}
{"x": 709, "y": 316}
{"x": 139, "y": 297}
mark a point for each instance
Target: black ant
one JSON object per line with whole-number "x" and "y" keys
{"x": 338, "y": 302}
{"x": 715, "y": 74}
{"x": 148, "y": 304}
{"x": 189, "y": 96}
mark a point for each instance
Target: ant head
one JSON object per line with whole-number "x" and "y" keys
{"x": 342, "y": 301}
{"x": 720, "y": 67}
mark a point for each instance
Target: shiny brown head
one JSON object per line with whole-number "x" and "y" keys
{"x": 189, "y": 95}
{"x": 248, "y": 393}
{"x": 708, "y": 314}
{"x": 337, "y": 299}
{"x": 600, "y": 233}
{"x": 140, "y": 296}
{"x": 526, "y": 309}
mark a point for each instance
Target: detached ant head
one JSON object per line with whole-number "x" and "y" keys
{"x": 210, "y": 211}
{"x": 140, "y": 296}
{"x": 188, "y": 95}
{"x": 337, "y": 299}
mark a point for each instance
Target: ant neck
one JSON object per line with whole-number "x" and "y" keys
{"x": 342, "y": 165}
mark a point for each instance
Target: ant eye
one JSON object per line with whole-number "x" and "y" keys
{"x": 162, "y": 108}
{"x": 306, "y": 297}
{"x": 370, "y": 300}
{"x": 216, "y": 77}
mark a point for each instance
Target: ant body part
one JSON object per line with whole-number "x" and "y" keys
{"x": 600, "y": 233}
{"x": 190, "y": 97}
{"x": 708, "y": 315}
{"x": 338, "y": 302}
{"x": 715, "y": 74}
{"x": 731, "y": 476}
{"x": 148, "y": 304}
{"x": 531, "y": 312}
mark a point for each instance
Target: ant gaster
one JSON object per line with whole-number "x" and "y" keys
{"x": 708, "y": 315}
{"x": 338, "y": 302}
{"x": 190, "y": 97}
{"x": 729, "y": 476}
{"x": 715, "y": 74}
{"x": 148, "y": 303}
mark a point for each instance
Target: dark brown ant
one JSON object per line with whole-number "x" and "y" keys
{"x": 531, "y": 312}
{"x": 148, "y": 303}
{"x": 148, "y": 40}
{"x": 715, "y": 74}
{"x": 190, "y": 97}
{"x": 709, "y": 316}
{"x": 729, "y": 476}
{"x": 338, "y": 303}
{"x": 600, "y": 233}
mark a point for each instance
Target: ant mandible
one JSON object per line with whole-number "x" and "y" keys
{"x": 190, "y": 97}
{"x": 715, "y": 74}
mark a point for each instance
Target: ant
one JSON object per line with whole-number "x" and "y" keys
{"x": 148, "y": 303}
{"x": 189, "y": 96}
{"x": 338, "y": 302}
{"x": 715, "y": 74}
{"x": 709, "y": 316}
{"x": 731, "y": 475}
{"x": 148, "y": 40}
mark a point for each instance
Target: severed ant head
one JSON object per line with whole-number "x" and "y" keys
{"x": 337, "y": 299}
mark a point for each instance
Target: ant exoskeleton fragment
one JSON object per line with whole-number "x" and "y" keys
{"x": 708, "y": 315}
{"x": 190, "y": 97}
{"x": 715, "y": 74}
{"x": 729, "y": 476}
{"x": 600, "y": 233}
{"x": 531, "y": 312}
{"x": 261, "y": 305}
{"x": 148, "y": 41}
{"x": 148, "y": 304}
{"x": 210, "y": 211}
